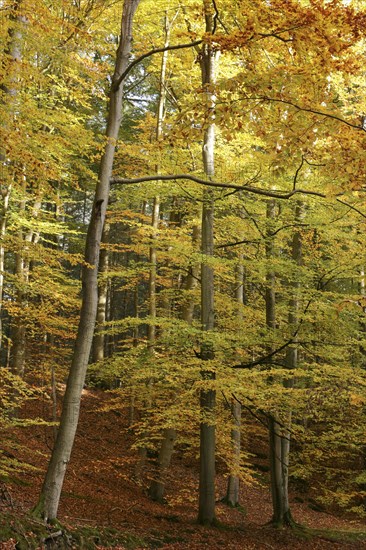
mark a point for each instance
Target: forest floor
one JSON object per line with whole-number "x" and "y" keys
{"x": 101, "y": 498}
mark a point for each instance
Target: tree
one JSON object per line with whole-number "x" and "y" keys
{"x": 287, "y": 85}
{"x": 206, "y": 506}
{"x": 49, "y": 499}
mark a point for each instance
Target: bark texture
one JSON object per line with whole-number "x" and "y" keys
{"x": 280, "y": 435}
{"x": 50, "y": 495}
{"x": 13, "y": 55}
{"x": 206, "y": 504}
{"x": 99, "y": 337}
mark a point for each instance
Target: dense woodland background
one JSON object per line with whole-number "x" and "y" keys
{"x": 232, "y": 288}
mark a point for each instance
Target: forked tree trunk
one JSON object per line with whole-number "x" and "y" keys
{"x": 48, "y": 503}
{"x": 157, "y": 487}
{"x": 233, "y": 484}
{"x": 206, "y": 504}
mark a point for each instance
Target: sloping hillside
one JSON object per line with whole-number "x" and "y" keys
{"x": 100, "y": 493}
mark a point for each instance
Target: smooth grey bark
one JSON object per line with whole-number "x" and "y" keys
{"x": 278, "y": 485}
{"x": 153, "y": 261}
{"x": 206, "y": 509}
{"x": 363, "y": 323}
{"x": 280, "y": 436}
{"x": 22, "y": 271}
{"x": 99, "y": 336}
{"x": 157, "y": 486}
{"x": 270, "y": 296}
{"x": 5, "y": 194}
{"x": 191, "y": 281}
{"x": 233, "y": 485}
{"x": 151, "y": 329}
{"x": 207, "y": 474}
{"x": 13, "y": 53}
{"x": 151, "y": 333}
{"x": 48, "y": 503}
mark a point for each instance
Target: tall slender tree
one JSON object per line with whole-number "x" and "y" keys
{"x": 49, "y": 499}
{"x": 206, "y": 506}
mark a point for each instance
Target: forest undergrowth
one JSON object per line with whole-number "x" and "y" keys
{"x": 103, "y": 506}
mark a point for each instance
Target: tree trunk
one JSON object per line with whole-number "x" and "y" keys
{"x": 99, "y": 337}
{"x": 151, "y": 329}
{"x": 363, "y": 323}
{"x": 157, "y": 487}
{"x": 280, "y": 436}
{"x": 13, "y": 53}
{"x": 206, "y": 504}
{"x": 277, "y": 466}
{"x": 48, "y": 502}
{"x": 191, "y": 281}
{"x": 22, "y": 270}
{"x": 5, "y": 193}
{"x": 233, "y": 486}
{"x": 151, "y": 333}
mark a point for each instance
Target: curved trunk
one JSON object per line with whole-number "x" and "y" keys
{"x": 50, "y": 495}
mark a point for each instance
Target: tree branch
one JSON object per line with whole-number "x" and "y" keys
{"x": 266, "y": 415}
{"x": 264, "y": 359}
{"x": 138, "y": 60}
{"x": 298, "y": 172}
{"x": 220, "y": 185}
{"x": 352, "y": 207}
{"x": 237, "y": 243}
{"x": 308, "y": 110}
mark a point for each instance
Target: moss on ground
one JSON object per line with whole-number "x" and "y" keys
{"x": 29, "y": 533}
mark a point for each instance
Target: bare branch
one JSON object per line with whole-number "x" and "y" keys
{"x": 220, "y": 185}
{"x": 138, "y": 60}
{"x": 265, "y": 358}
{"x": 352, "y": 207}
{"x": 237, "y": 243}
{"x": 308, "y": 110}
{"x": 298, "y": 172}
{"x": 265, "y": 414}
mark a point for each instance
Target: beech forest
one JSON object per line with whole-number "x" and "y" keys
{"x": 182, "y": 274}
